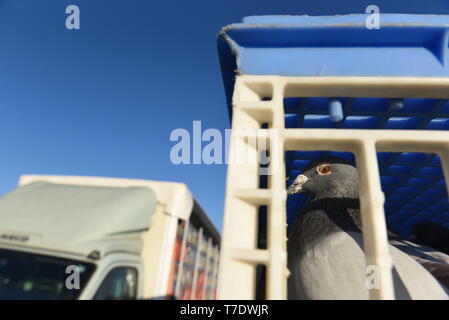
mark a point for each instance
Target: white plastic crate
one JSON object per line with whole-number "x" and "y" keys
{"x": 258, "y": 100}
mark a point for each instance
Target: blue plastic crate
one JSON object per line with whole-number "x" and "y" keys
{"x": 404, "y": 46}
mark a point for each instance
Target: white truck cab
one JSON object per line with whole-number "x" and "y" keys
{"x": 64, "y": 237}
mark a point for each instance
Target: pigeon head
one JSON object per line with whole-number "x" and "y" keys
{"x": 327, "y": 177}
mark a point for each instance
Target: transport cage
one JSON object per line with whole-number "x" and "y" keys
{"x": 177, "y": 244}
{"x": 299, "y": 87}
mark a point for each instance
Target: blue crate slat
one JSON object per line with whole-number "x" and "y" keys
{"x": 404, "y": 46}
{"x": 311, "y": 46}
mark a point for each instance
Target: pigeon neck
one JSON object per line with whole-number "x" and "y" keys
{"x": 343, "y": 194}
{"x": 341, "y": 211}
{"x": 323, "y": 217}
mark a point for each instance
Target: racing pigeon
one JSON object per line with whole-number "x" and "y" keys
{"x": 325, "y": 243}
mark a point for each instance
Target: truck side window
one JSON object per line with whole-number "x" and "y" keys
{"x": 119, "y": 284}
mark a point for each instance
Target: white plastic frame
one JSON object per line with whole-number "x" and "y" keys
{"x": 251, "y": 109}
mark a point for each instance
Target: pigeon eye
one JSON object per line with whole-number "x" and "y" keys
{"x": 324, "y": 169}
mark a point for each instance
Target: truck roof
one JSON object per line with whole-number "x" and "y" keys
{"x": 176, "y": 197}
{"x": 73, "y": 218}
{"x": 82, "y": 214}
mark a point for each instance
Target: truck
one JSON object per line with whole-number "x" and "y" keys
{"x": 71, "y": 237}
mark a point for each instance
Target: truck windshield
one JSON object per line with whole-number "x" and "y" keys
{"x": 32, "y": 276}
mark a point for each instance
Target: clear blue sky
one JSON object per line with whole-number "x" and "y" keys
{"x": 103, "y": 100}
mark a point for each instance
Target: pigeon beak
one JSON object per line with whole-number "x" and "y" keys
{"x": 296, "y": 186}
